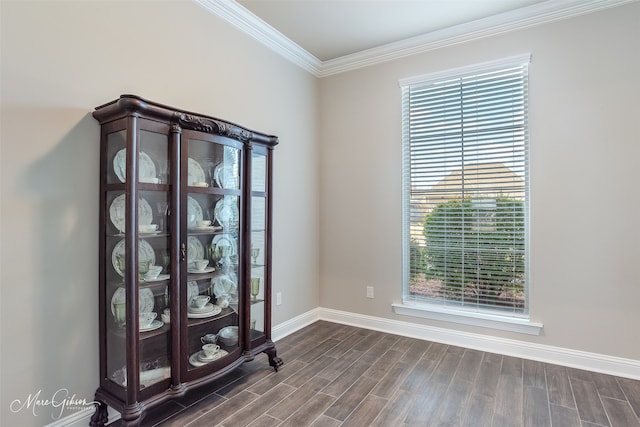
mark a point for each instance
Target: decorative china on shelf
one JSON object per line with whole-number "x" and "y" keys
{"x": 146, "y": 167}
{"x": 146, "y": 303}
{"x": 197, "y": 359}
{"x": 226, "y": 212}
{"x": 194, "y": 212}
{"x": 146, "y": 254}
{"x": 225, "y": 176}
{"x": 117, "y": 212}
{"x": 196, "y": 176}
{"x": 208, "y": 310}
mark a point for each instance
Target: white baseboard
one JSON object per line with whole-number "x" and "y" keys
{"x": 288, "y": 327}
{"x": 611, "y": 365}
{"x": 82, "y": 418}
{"x": 595, "y": 362}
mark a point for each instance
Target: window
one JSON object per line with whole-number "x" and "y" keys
{"x": 465, "y": 189}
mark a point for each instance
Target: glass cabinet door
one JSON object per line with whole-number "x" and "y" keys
{"x": 212, "y": 227}
{"x": 258, "y": 251}
{"x": 142, "y": 274}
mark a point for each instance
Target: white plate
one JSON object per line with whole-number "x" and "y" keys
{"x": 196, "y": 173}
{"x": 215, "y": 311}
{"x": 192, "y": 291}
{"x": 206, "y": 228}
{"x": 194, "y": 359}
{"x": 225, "y": 176}
{"x": 207, "y": 308}
{"x": 156, "y": 324}
{"x": 147, "y": 378}
{"x": 145, "y": 300}
{"x": 206, "y": 270}
{"x": 145, "y": 253}
{"x": 117, "y": 212}
{"x": 160, "y": 278}
{"x": 226, "y": 211}
{"x": 225, "y": 284}
{"x": 195, "y": 250}
{"x": 193, "y": 208}
{"x": 146, "y": 167}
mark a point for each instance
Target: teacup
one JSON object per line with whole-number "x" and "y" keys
{"x": 148, "y": 228}
{"x": 153, "y": 272}
{"x": 200, "y": 264}
{"x": 203, "y": 223}
{"x": 209, "y": 339}
{"x": 222, "y": 301}
{"x": 210, "y": 350}
{"x": 200, "y": 300}
{"x": 143, "y": 267}
{"x": 145, "y": 319}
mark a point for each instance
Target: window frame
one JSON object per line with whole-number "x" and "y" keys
{"x": 478, "y": 316}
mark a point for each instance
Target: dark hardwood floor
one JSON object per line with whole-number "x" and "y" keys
{"x": 337, "y": 375}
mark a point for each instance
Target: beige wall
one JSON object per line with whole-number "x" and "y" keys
{"x": 585, "y": 146}
{"x": 59, "y": 61}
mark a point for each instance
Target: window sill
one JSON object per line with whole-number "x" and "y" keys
{"x": 485, "y": 320}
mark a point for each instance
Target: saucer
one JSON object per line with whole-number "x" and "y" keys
{"x": 195, "y": 360}
{"x": 217, "y": 355}
{"x": 150, "y": 232}
{"x": 206, "y": 228}
{"x": 206, "y": 270}
{"x": 158, "y": 279}
{"x": 199, "y": 310}
{"x": 156, "y": 324}
{"x": 214, "y": 310}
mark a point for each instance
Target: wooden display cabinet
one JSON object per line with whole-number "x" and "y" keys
{"x": 185, "y": 217}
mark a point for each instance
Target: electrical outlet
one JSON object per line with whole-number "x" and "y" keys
{"x": 369, "y": 291}
{"x": 278, "y": 298}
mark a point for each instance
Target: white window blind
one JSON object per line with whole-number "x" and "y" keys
{"x": 465, "y": 188}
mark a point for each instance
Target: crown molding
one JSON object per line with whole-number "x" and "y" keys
{"x": 238, "y": 16}
{"x": 537, "y": 14}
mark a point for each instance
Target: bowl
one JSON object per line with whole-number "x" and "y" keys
{"x": 203, "y": 223}
{"x": 201, "y": 264}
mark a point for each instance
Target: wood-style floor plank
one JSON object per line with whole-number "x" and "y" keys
{"x": 337, "y": 376}
{"x": 588, "y": 402}
{"x": 620, "y": 413}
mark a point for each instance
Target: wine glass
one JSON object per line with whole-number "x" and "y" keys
{"x": 255, "y": 288}
{"x": 254, "y": 254}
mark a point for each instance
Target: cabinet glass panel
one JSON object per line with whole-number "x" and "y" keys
{"x": 154, "y": 265}
{"x": 213, "y": 219}
{"x": 154, "y": 270}
{"x": 116, "y": 157}
{"x": 115, "y": 295}
{"x": 257, "y": 283}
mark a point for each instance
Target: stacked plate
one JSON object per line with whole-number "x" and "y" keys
{"x": 199, "y": 359}
{"x": 228, "y": 336}
{"x": 202, "y": 312}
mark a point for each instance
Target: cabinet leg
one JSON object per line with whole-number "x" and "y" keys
{"x": 100, "y": 417}
{"x": 274, "y": 360}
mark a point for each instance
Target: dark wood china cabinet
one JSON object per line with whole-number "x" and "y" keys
{"x": 185, "y": 253}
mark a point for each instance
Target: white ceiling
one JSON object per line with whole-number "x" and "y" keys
{"x": 327, "y": 37}
{"x": 329, "y": 29}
